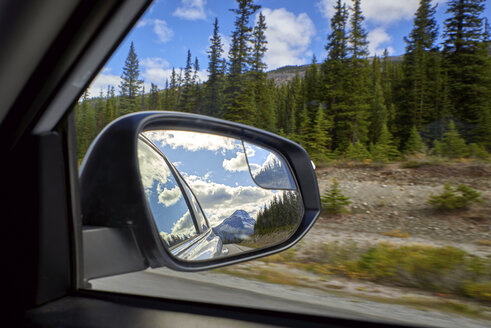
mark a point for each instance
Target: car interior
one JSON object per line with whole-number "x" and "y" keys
{"x": 51, "y": 51}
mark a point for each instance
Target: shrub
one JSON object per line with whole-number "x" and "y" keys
{"x": 455, "y": 198}
{"x": 477, "y": 151}
{"x": 452, "y": 145}
{"x": 396, "y": 233}
{"x": 333, "y": 201}
{"x": 415, "y": 144}
{"x": 356, "y": 152}
{"x": 440, "y": 269}
{"x": 480, "y": 291}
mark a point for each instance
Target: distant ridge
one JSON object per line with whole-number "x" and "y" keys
{"x": 287, "y": 73}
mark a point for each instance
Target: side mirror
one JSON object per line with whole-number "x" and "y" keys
{"x": 191, "y": 193}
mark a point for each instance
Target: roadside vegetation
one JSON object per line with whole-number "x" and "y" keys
{"x": 444, "y": 270}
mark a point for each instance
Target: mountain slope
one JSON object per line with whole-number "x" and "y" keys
{"x": 236, "y": 227}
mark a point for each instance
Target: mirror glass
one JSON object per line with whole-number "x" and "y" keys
{"x": 214, "y": 196}
{"x": 267, "y": 168}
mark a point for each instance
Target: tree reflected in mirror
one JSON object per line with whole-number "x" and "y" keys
{"x": 239, "y": 196}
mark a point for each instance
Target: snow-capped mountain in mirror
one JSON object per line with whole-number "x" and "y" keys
{"x": 235, "y": 228}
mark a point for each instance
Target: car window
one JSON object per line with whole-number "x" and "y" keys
{"x": 165, "y": 198}
{"x": 391, "y": 100}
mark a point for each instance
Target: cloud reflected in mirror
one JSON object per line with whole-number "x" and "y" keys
{"x": 242, "y": 194}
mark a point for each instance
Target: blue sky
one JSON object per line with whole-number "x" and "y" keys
{"x": 216, "y": 169}
{"x": 297, "y": 30}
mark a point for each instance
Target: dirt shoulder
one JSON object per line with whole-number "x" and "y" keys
{"x": 396, "y": 198}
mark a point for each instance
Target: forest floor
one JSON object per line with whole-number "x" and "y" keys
{"x": 390, "y": 205}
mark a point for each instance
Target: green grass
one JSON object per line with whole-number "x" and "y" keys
{"x": 435, "y": 269}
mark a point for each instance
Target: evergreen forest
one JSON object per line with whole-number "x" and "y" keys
{"x": 437, "y": 100}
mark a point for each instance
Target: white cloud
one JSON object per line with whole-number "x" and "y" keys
{"x": 102, "y": 81}
{"x": 220, "y": 201}
{"x": 160, "y": 27}
{"x": 236, "y": 164}
{"x": 191, "y": 10}
{"x": 154, "y": 62}
{"x": 152, "y": 168}
{"x": 381, "y": 14}
{"x": 226, "y": 44}
{"x": 192, "y": 141}
{"x": 163, "y": 32}
{"x": 155, "y": 70}
{"x": 289, "y": 37}
{"x": 377, "y": 11}
{"x": 376, "y": 38}
{"x": 169, "y": 197}
{"x": 184, "y": 225}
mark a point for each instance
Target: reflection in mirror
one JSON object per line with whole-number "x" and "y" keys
{"x": 267, "y": 168}
{"x": 236, "y": 202}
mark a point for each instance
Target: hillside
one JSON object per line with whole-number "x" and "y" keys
{"x": 287, "y": 73}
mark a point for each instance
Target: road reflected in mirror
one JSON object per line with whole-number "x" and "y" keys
{"x": 237, "y": 196}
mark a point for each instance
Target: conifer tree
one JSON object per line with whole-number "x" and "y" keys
{"x": 111, "y": 107}
{"x": 452, "y": 145}
{"x": 356, "y": 112}
{"x": 240, "y": 102}
{"x": 187, "y": 102}
{"x": 131, "y": 85}
{"x": 321, "y": 136}
{"x": 414, "y": 144}
{"x": 384, "y": 150}
{"x": 333, "y": 200}
{"x": 357, "y": 152}
{"x": 419, "y": 87}
{"x": 173, "y": 91}
{"x": 335, "y": 72}
{"x": 312, "y": 90}
{"x": 240, "y": 49}
{"x": 154, "y": 98}
{"x": 467, "y": 64}
{"x": 378, "y": 109}
{"x": 259, "y": 46}
{"x": 214, "y": 85}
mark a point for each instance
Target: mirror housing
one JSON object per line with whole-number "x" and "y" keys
{"x": 113, "y": 195}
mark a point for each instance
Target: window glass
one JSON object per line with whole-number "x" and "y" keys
{"x": 391, "y": 100}
{"x": 165, "y": 198}
{"x": 200, "y": 217}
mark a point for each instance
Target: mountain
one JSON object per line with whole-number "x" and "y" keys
{"x": 236, "y": 227}
{"x": 287, "y": 73}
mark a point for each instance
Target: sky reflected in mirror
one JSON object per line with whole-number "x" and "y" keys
{"x": 216, "y": 169}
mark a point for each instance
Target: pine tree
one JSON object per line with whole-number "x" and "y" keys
{"x": 240, "y": 49}
{"x": 335, "y": 71}
{"x": 240, "y": 97}
{"x": 321, "y": 136}
{"x": 312, "y": 90}
{"x": 414, "y": 144}
{"x": 419, "y": 87}
{"x": 111, "y": 107}
{"x": 259, "y": 46}
{"x": 467, "y": 64}
{"x": 356, "y": 112}
{"x": 378, "y": 109}
{"x": 214, "y": 85}
{"x": 384, "y": 149}
{"x": 154, "y": 98}
{"x": 131, "y": 85}
{"x": 173, "y": 91}
{"x": 452, "y": 145}
{"x": 357, "y": 39}
{"x": 188, "y": 98}
{"x": 333, "y": 200}
{"x": 357, "y": 152}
